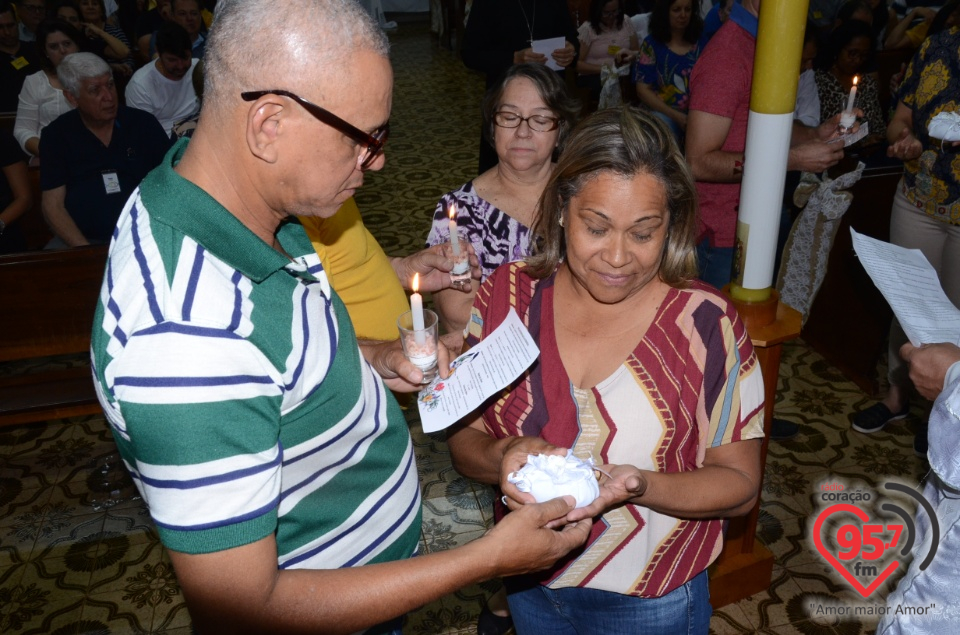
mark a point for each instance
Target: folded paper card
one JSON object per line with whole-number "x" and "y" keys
{"x": 547, "y": 476}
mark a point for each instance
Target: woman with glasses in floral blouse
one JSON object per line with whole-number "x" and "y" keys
{"x": 526, "y": 115}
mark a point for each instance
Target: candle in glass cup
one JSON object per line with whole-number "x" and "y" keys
{"x": 416, "y": 308}
{"x": 460, "y": 274}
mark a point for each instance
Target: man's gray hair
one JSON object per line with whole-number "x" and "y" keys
{"x": 76, "y": 67}
{"x": 252, "y": 41}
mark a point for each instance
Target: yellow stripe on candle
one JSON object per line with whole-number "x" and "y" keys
{"x": 776, "y": 68}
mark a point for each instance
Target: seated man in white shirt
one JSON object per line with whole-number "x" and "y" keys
{"x": 164, "y": 87}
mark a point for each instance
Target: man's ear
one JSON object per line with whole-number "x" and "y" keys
{"x": 264, "y": 119}
{"x": 70, "y": 98}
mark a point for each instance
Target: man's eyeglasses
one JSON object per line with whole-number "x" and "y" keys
{"x": 537, "y": 123}
{"x": 33, "y": 8}
{"x": 373, "y": 143}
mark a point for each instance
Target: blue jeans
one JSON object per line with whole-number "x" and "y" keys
{"x": 576, "y": 611}
{"x": 715, "y": 264}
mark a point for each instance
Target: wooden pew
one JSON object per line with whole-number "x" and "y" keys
{"x": 48, "y": 299}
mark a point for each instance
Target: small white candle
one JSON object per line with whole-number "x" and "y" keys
{"x": 454, "y": 234}
{"x": 416, "y": 309}
{"x": 853, "y": 95}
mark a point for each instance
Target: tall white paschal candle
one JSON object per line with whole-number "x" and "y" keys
{"x": 853, "y": 94}
{"x": 454, "y": 234}
{"x": 416, "y": 309}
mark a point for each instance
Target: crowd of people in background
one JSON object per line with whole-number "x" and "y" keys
{"x": 153, "y": 50}
{"x": 136, "y": 66}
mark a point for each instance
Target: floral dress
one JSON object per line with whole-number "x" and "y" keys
{"x": 665, "y": 72}
{"x": 931, "y": 86}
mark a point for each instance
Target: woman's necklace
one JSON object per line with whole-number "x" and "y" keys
{"x": 530, "y": 24}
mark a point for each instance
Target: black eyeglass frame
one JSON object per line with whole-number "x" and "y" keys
{"x": 520, "y": 120}
{"x": 373, "y": 143}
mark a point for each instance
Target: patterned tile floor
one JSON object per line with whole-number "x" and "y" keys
{"x": 67, "y": 568}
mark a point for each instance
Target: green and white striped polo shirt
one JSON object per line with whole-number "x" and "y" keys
{"x": 237, "y": 393}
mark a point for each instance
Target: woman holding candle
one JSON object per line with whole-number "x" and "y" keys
{"x": 642, "y": 368}
{"x": 526, "y": 115}
{"x": 844, "y": 56}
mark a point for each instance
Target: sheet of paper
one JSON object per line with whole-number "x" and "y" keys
{"x": 548, "y": 46}
{"x": 911, "y": 287}
{"x": 485, "y": 369}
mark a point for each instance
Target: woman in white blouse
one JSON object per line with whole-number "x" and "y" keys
{"x": 41, "y": 98}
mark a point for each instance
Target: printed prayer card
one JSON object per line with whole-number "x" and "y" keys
{"x": 485, "y": 369}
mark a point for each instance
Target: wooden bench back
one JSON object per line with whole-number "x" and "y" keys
{"x": 48, "y": 300}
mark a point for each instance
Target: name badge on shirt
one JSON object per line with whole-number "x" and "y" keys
{"x": 19, "y": 63}
{"x": 111, "y": 182}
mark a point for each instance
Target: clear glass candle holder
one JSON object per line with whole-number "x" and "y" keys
{"x": 421, "y": 345}
{"x": 460, "y": 274}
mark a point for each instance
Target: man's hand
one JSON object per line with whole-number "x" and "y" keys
{"x": 814, "y": 156}
{"x": 524, "y": 540}
{"x": 624, "y": 483}
{"x": 398, "y": 372}
{"x": 434, "y": 265}
{"x": 906, "y": 148}
{"x": 515, "y": 457}
{"x": 564, "y": 57}
{"x": 527, "y": 56}
{"x": 830, "y": 129}
{"x": 929, "y": 365}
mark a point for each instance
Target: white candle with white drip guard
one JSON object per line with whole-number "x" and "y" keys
{"x": 416, "y": 308}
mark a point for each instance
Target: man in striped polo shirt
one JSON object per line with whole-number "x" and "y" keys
{"x": 276, "y": 464}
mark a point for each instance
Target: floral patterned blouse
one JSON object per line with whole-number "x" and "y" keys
{"x": 497, "y": 237}
{"x": 931, "y": 86}
{"x": 666, "y": 73}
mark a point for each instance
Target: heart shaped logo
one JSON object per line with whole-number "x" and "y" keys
{"x": 832, "y": 559}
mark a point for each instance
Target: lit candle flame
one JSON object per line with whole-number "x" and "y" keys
{"x": 855, "y": 80}
{"x": 452, "y": 211}
{"x": 415, "y": 285}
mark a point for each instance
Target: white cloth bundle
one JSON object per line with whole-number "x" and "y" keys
{"x": 548, "y": 476}
{"x": 945, "y": 126}
{"x": 805, "y": 256}
{"x": 610, "y": 94}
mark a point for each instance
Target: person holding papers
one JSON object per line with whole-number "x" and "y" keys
{"x": 643, "y": 369}
{"x": 926, "y": 208}
{"x": 501, "y": 33}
